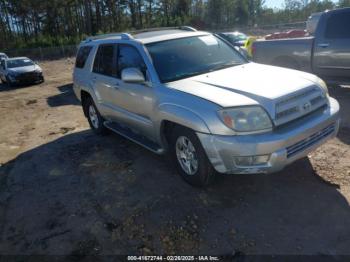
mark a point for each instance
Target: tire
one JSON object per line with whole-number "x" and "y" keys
{"x": 201, "y": 174}
{"x": 8, "y": 82}
{"x": 94, "y": 117}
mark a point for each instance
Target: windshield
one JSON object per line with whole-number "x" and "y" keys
{"x": 19, "y": 63}
{"x": 234, "y": 37}
{"x": 185, "y": 57}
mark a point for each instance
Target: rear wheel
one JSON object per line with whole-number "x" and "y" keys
{"x": 190, "y": 158}
{"x": 94, "y": 117}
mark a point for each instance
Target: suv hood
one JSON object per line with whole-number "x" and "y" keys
{"x": 247, "y": 84}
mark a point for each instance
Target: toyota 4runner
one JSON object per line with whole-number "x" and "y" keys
{"x": 190, "y": 93}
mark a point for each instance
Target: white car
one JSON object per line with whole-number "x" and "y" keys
{"x": 20, "y": 70}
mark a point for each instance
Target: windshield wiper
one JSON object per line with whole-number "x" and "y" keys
{"x": 186, "y": 75}
{"x": 223, "y": 66}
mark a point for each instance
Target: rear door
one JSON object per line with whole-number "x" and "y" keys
{"x": 332, "y": 45}
{"x": 104, "y": 80}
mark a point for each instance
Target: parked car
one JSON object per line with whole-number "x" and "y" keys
{"x": 295, "y": 33}
{"x": 189, "y": 93}
{"x": 235, "y": 38}
{"x": 325, "y": 53}
{"x": 20, "y": 70}
{"x": 3, "y": 56}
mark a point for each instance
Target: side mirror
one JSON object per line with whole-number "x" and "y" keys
{"x": 132, "y": 75}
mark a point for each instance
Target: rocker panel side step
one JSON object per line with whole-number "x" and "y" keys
{"x": 138, "y": 139}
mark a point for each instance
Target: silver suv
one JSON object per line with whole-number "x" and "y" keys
{"x": 190, "y": 93}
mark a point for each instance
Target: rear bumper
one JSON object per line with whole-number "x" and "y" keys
{"x": 283, "y": 146}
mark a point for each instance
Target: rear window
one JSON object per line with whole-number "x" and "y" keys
{"x": 82, "y": 56}
{"x": 104, "y": 60}
{"x": 338, "y": 26}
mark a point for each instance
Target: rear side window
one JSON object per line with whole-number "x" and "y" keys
{"x": 130, "y": 57}
{"x": 104, "y": 60}
{"x": 82, "y": 56}
{"x": 338, "y": 26}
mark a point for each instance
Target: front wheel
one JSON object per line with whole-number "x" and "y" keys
{"x": 9, "y": 83}
{"x": 93, "y": 116}
{"x": 190, "y": 158}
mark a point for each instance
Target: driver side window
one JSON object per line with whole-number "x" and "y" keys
{"x": 129, "y": 56}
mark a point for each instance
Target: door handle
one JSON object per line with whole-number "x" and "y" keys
{"x": 115, "y": 86}
{"x": 324, "y": 45}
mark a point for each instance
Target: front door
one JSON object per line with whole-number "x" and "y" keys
{"x": 135, "y": 101}
{"x": 332, "y": 46}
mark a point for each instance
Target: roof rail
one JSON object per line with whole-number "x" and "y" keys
{"x": 145, "y": 30}
{"x": 123, "y": 36}
{"x": 128, "y": 36}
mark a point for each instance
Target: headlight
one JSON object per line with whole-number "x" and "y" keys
{"x": 246, "y": 119}
{"x": 322, "y": 84}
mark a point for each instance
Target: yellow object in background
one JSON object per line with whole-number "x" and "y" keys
{"x": 248, "y": 45}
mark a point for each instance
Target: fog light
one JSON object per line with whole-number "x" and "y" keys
{"x": 251, "y": 160}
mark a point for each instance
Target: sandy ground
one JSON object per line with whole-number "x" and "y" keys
{"x": 66, "y": 191}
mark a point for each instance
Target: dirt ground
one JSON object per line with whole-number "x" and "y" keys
{"x": 66, "y": 191}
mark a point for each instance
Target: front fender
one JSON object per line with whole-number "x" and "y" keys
{"x": 183, "y": 116}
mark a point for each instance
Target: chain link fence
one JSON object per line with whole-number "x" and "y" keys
{"x": 263, "y": 30}
{"x": 51, "y": 53}
{"x": 44, "y": 53}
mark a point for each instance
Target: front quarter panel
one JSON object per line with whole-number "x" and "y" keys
{"x": 187, "y": 110}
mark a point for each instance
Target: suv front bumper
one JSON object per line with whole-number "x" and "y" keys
{"x": 283, "y": 146}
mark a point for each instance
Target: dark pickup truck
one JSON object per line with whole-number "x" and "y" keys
{"x": 326, "y": 52}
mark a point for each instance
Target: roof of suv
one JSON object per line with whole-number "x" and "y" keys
{"x": 154, "y": 35}
{"x": 15, "y": 58}
{"x": 162, "y": 35}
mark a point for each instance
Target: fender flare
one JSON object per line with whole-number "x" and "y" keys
{"x": 182, "y": 116}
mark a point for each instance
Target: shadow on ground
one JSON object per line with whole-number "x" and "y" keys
{"x": 6, "y": 88}
{"x": 66, "y": 97}
{"x": 86, "y": 195}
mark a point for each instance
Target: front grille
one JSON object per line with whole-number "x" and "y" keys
{"x": 28, "y": 76}
{"x": 309, "y": 141}
{"x": 298, "y": 104}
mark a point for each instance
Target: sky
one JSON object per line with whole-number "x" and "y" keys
{"x": 274, "y": 3}
{"x": 277, "y": 3}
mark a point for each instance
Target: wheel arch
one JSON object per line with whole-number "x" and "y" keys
{"x": 172, "y": 115}
{"x": 84, "y": 95}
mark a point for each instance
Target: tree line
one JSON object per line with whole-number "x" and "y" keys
{"x": 33, "y": 23}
